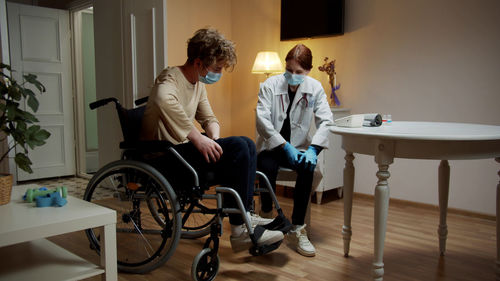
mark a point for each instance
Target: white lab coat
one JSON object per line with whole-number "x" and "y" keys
{"x": 309, "y": 103}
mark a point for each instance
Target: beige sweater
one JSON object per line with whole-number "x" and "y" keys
{"x": 173, "y": 105}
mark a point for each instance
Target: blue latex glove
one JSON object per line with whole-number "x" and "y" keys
{"x": 292, "y": 154}
{"x": 309, "y": 158}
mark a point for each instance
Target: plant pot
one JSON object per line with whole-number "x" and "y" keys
{"x": 5, "y": 188}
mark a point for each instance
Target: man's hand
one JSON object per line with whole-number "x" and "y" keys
{"x": 209, "y": 149}
{"x": 206, "y": 146}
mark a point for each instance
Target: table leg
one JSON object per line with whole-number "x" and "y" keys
{"x": 108, "y": 253}
{"x": 498, "y": 226}
{"x": 444, "y": 187}
{"x": 381, "y": 210}
{"x": 319, "y": 195}
{"x": 348, "y": 190}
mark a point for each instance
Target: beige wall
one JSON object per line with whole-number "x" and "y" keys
{"x": 417, "y": 60}
{"x": 255, "y": 28}
{"x": 184, "y": 17}
{"x": 429, "y": 61}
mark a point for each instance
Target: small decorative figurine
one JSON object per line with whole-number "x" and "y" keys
{"x": 329, "y": 68}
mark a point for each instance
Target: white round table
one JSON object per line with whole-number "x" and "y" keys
{"x": 413, "y": 140}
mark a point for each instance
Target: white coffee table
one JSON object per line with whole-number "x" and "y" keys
{"x": 413, "y": 140}
{"x": 26, "y": 255}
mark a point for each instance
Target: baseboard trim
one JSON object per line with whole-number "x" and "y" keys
{"x": 427, "y": 206}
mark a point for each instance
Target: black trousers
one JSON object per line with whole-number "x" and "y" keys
{"x": 236, "y": 169}
{"x": 268, "y": 162}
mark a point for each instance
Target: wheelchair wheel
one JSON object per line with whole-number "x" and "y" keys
{"x": 205, "y": 267}
{"x": 197, "y": 218}
{"x": 148, "y": 226}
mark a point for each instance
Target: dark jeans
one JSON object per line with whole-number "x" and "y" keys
{"x": 236, "y": 169}
{"x": 268, "y": 162}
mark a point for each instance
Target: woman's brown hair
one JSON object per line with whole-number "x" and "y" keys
{"x": 302, "y": 55}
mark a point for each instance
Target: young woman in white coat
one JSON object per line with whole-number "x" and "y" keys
{"x": 288, "y": 106}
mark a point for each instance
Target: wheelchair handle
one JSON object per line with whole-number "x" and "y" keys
{"x": 141, "y": 100}
{"x": 102, "y": 102}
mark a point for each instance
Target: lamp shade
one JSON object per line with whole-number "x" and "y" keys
{"x": 267, "y": 63}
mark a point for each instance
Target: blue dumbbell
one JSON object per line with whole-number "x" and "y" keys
{"x": 32, "y": 193}
{"x": 52, "y": 199}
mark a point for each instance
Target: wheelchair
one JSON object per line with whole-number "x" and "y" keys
{"x": 153, "y": 215}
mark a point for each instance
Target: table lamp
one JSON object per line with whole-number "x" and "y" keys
{"x": 267, "y": 63}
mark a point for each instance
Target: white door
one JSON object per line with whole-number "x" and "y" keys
{"x": 143, "y": 45}
{"x": 40, "y": 44}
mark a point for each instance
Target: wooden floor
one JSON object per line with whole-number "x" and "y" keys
{"x": 411, "y": 248}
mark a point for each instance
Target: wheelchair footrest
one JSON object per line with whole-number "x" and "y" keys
{"x": 264, "y": 249}
{"x": 280, "y": 223}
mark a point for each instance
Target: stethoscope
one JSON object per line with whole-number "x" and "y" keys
{"x": 304, "y": 100}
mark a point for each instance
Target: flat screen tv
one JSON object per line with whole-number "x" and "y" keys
{"x": 311, "y": 18}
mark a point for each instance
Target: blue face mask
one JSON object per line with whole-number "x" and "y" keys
{"x": 210, "y": 78}
{"x": 294, "y": 79}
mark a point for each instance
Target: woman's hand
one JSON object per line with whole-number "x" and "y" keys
{"x": 292, "y": 154}
{"x": 309, "y": 158}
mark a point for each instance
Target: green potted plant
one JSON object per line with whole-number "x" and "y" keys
{"x": 17, "y": 122}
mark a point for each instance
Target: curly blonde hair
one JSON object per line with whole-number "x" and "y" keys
{"x": 211, "y": 47}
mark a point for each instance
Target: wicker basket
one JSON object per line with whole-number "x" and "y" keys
{"x": 5, "y": 188}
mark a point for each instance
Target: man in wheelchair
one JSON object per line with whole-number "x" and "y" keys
{"x": 179, "y": 97}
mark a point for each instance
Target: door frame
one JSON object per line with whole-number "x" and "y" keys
{"x": 79, "y": 94}
{"x": 4, "y": 31}
{"x": 9, "y": 165}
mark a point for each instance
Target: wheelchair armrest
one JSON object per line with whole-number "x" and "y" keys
{"x": 159, "y": 146}
{"x": 146, "y": 146}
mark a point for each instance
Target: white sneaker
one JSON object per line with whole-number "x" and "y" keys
{"x": 298, "y": 239}
{"x": 258, "y": 220}
{"x": 243, "y": 241}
